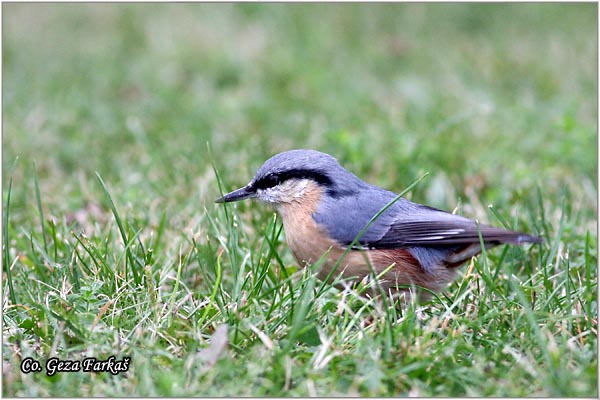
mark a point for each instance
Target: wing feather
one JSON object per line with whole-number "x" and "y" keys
{"x": 404, "y": 224}
{"x": 445, "y": 231}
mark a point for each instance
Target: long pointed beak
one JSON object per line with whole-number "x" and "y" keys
{"x": 242, "y": 193}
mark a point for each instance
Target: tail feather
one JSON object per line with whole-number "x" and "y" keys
{"x": 509, "y": 237}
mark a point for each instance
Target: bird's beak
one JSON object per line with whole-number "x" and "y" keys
{"x": 242, "y": 193}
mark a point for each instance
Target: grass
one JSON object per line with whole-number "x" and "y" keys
{"x": 122, "y": 124}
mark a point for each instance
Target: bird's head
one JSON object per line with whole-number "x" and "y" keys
{"x": 285, "y": 177}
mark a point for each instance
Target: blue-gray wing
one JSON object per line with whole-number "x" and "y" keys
{"x": 345, "y": 216}
{"x": 404, "y": 224}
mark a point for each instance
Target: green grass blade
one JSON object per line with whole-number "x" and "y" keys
{"x": 38, "y": 198}
{"x": 11, "y": 290}
{"x": 304, "y": 305}
{"x": 130, "y": 260}
{"x": 213, "y": 294}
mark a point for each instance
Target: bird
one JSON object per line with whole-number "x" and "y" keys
{"x": 325, "y": 209}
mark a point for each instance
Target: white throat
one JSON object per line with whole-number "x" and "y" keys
{"x": 286, "y": 192}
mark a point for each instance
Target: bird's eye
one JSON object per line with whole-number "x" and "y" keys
{"x": 268, "y": 181}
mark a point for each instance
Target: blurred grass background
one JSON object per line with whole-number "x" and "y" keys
{"x": 495, "y": 101}
{"x": 503, "y": 93}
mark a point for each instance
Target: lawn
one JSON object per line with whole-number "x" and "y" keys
{"x": 123, "y": 122}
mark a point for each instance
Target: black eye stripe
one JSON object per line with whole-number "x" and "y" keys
{"x": 268, "y": 181}
{"x": 274, "y": 179}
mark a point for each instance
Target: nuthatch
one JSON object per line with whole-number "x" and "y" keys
{"x": 324, "y": 207}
